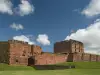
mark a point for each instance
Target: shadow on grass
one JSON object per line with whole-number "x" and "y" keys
{"x": 52, "y": 67}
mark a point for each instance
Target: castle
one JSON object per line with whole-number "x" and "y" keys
{"x": 15, "y": 52}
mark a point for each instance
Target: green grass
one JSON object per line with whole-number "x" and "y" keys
{"x": 5, "y": 67}
{"x": 82, "y": 68}
{"x": 83, "y": 65}
{"x": 54, "y": 72}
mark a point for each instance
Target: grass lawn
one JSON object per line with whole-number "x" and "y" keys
{"x": 82, "y": 68}
{"x": 54, "y": 72}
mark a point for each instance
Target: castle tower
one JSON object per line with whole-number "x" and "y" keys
{"x": 69, "y": 46}
{"x": 15, "y": 52}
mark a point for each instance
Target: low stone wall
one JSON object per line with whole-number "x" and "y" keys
{"x": 70, "y": 57}
{"x": 77, "y": 57}
{"x": 85, "y": 57}
{"x": 98, "y": 58}
{"x": 93, "y": 57}
{"x": 46, "y": 58}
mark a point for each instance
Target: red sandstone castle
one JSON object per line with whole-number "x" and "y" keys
{"x": 15, "y": 52}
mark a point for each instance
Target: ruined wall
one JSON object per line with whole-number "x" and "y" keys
{"x": 70, "y": 57}
{"x": 4, "y": 58}
{"x": 36, "y": 50}
{"x": 62, "y": 47}
{"x": 77, "y": 47}
{"x": 93, "y": 57}
{"x": 86, "y": 57}
{"x": 77, "y": 57}
{"x": 69, "y": 46}
{"x": 46, "y": 58}
{"x": 98, "y": 58}
{"x": 19, "y": 52}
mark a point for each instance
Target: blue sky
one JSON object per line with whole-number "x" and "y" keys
{"x": 53, "y": 18}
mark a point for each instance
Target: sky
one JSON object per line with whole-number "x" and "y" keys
{"x": 44, "y": 22}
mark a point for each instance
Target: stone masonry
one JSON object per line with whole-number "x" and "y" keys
{"x": 69, "y": 46}
{"x": 15, "y": 52}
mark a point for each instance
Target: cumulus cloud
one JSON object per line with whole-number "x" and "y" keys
{"x": 90, "y": 36}
{"x": 17, "y": 26}
{"x": 24, "y": 38}
{"x": 6, "y": 6}
{"x": 43, "y": 39}
{"x": 25, "y": 8}
{"x": 93, "y": 9}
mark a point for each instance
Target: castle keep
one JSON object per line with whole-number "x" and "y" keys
{"x": 15, "y": 52}
{"x": 68, "y": 46}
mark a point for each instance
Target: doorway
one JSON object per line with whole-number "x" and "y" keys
{"x": 31, "y": 61}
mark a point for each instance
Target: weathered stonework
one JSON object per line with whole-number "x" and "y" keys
{"x": 15, "y": 52}
{"x": 18, "y": 50}
{"x": 4, "y": 53}
{"x": 68, "y": 46}
{"x": 47, "y": 58}
{"x": 36, "y": 50}
{"x": 93, "y": 57}
{"x": 98, "y": 58}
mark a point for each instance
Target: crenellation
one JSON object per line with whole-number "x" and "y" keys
{"x": 16, "y": 41}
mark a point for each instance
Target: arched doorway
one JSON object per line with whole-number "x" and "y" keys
{"x": 31, "y": 61}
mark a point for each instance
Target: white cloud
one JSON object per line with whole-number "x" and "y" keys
{"x": 17, "y": 26}
{"x": 90, "y": 36}
{"x": 43, "y": 39}
{"x": 23, "y": 38}
{"x": 25, "y": 8}
{"x": 6, "y": 6}
{"x": 93, "y": 9}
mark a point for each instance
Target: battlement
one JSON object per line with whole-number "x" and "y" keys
{"x": 70, "y": 40}
{"x": 74, "y": 41}
{"x": 36, "y": 46}
{"x": 16, "y": 41}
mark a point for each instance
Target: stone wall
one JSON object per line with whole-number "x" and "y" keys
{"x": 36, "y": 50}
{"x": 77, "y": 47}
{"x": 98, "y": 58}
{"x": 93, "y": 57}
{"x": 77, "y": 57}
{"x": 70, "y": 57}
{"x": 21, "y": 53}
{"x": 4, "y": 58}
{"x": 18, "y": 50}
{"x": 62, "y": 47}
{"x": 86, "y": 57}
{"x": 68, "y": 46}
{"x": 83, "y": 57}
{"x": 47, "y": 58}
